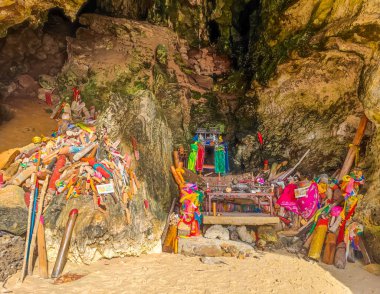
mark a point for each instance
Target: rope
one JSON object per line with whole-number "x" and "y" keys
{"x": 357, "y": 149}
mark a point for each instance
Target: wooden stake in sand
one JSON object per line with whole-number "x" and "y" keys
{"x": 36, "y": 225}
{"x": 165, "y": 231}
{"x": 353, "y": 148}
{"x": 41, "y": 245}
{"x": 26, "y": 253}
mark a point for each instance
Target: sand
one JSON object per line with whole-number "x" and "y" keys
{"x": 169, "y": 273}
{"x": 30, "y": 119}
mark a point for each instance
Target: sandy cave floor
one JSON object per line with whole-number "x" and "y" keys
{"x": 30, "y": 119}
{"x": 169, "y": 273}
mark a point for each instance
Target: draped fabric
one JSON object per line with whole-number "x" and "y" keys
{"x": 192, "y": 157}
{"x": 227, "y": 164}
{"x": 220, "y": 163}
{"x": 305, "y": 206}
{"x": 200, "y": 158}
{"x": 308, "y": 205}
{"x": 288, "y": 199}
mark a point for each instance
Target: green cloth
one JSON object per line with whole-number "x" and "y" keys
{"x": 220, "y": 162}
{"x": 192, "y": 157}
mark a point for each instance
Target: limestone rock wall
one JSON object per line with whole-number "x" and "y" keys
{"x": 337, "y": 42}
{"x": 135, "y": 9}
{"x": 14, "y": 12}
{"x": 313, "y": 68}
{"x": 141, "y": 78}
{"x": 369, "y": 208}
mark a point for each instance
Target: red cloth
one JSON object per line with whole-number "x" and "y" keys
{"x": 56, "y": 174}
{"x": 342, "y": 227}
{"x": 200, "y": 158}
{"x": 48, "y": 99}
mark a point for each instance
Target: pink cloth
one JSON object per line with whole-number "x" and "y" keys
{"x": 305, "y": 206}
{"x": 308, "y": 205}
{"x": 288, "y": 199}
{"x": 336, "y": 210}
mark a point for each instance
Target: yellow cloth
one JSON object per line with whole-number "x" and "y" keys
{"x": 322, "y": 188}
{"x": 357, "y": 149}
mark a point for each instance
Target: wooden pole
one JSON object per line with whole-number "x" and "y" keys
{"x": 366, "y": 257}
{"x": 176, "y": 159}
{"x": 36, "y": 225}
{"x": 42, "y": 256}
{"x": 330, "y": 247}
{"x": 25, "y": 262}
{"x": 165, "y": 231}
{"x": 353, "y": 148}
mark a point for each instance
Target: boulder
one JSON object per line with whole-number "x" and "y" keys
{"x": 26, "y": 81}
{"x": 261, "y": 243}
{"x": 200, "y": 246}
{"x": 47, "y": 82}
{"x": 217, "y": 232}
{"x": 234, "y": 236}
{"x": 7, "y": 157}
{"x": 13, "y": 212}
{"x": 244, "y": 235}
{"x": 267, "y": 233}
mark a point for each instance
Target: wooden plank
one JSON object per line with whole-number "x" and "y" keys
{"x": 241, "y": 219}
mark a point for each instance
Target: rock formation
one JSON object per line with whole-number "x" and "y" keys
{"x": 138, "y": 81}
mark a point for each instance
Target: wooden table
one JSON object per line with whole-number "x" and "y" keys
{"x": 219, "y": 195}
{"x": 240, "y": 219}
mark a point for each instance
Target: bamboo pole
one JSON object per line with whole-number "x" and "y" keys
{"x": 353, "y": 147}
{"x": 165, "y": 231}
{"x": 26, "y": 255}
{"x": 41, "y": 245}
{"x": 36, "y": 225}
{"x": 176, "y": 159}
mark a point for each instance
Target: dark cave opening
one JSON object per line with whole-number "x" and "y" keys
{"x": 246, "y": 20}
{"x": 211, "y": 4}
{"x": 90, "y": 6}
{"x": 58, "y": 23}
{"x": 137, "y": 9}
{"x": 213, "y": 31}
